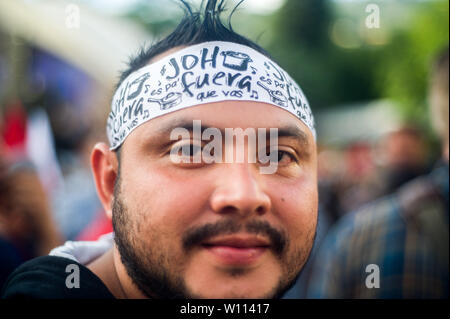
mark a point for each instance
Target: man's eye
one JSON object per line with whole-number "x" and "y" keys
{"x": 191, "y": 150}
{"x": 282, "y": 157}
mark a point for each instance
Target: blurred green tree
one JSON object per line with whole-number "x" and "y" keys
{"x": 306, "y": 21}
{"x": 328, "y": 74}
{"x": 403, "y": 71}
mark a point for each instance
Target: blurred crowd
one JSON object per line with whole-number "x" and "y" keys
{"x": 362, "y": 171}
{"x": 47, "y": 194}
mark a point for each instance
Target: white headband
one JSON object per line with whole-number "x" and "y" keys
{"x": 203, "y": 73}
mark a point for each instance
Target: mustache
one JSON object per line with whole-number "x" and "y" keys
{"x": 197, "y": 235}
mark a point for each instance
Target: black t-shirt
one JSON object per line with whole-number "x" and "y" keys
{"x": 51, "y": 277}
{"x": 10, "y": 259}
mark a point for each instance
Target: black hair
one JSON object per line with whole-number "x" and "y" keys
{"x": 196, "y": 27}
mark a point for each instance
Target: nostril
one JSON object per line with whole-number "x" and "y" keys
{"x": 229, "y": 209}
{"x": 260, "y": 210}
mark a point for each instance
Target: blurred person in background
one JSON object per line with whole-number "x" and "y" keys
{"x": 331, "y": 168}
{"x": 349, "y": 178}
{"x": 360, "y": 182}
{"x": 51, "y": 133}
{"x": 26, "y": 226}
{"x": 398, "y": 246}
{"x": 368, "y": 171}
{"x": 403, "y": 155}
{"x": 73, "y": 198}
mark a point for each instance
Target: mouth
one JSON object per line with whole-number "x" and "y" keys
{"x": 237, "y": 250}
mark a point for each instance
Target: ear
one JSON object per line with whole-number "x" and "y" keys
{"x": 105, "y": 169}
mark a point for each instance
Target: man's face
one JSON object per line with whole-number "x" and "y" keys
{"x": 220, "y": 230}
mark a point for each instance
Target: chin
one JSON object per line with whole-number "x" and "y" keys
{"x": 212, "y": 282}
{"x": 236, "y": 290}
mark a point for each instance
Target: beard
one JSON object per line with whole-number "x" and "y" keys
{"x": 158, "y": 274}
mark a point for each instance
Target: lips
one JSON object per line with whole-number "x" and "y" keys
{"x": 236, "y": 250}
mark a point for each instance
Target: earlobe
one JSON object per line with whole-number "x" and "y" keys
{"x": 105, "y": 169}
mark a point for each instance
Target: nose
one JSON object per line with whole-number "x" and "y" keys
{"x": 239, "y": 192}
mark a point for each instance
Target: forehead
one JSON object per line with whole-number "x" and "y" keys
{"x": 221, "y": 115}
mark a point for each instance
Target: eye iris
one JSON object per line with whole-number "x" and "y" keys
{"x": 276, "y": 156}
{"x": 191, "y": 150}
{"x": 280, "y": 156}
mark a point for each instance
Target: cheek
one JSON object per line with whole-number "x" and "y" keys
{"x": 165, "y": 201}
{"x": 296, "y": 206}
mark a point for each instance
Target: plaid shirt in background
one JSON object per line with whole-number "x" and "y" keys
{"x": 406, "y": 235}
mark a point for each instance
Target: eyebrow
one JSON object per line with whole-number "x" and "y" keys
{"x": 289, "y": 131}
{"x": 294, "y": 132}
{"x": 186, "y": 124}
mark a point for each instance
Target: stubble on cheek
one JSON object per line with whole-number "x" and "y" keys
{"x": 300, "y": 255}
{"x": 153, "y": 245}
{"x": 302, "y": 232}
{"x": 147, "y": 252}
